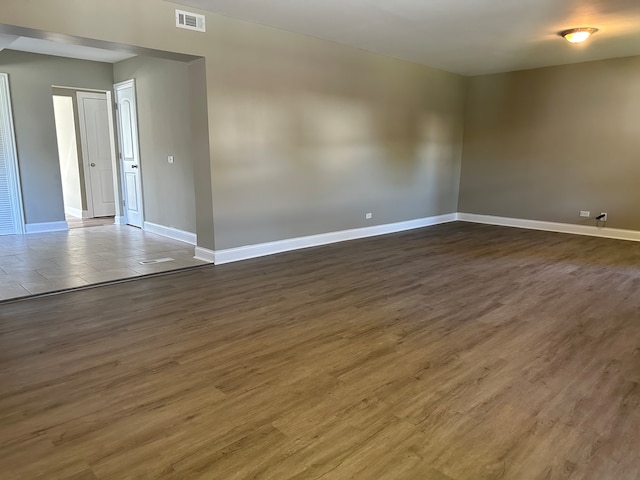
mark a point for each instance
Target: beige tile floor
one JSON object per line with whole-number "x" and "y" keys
{"x": 47, "y": 262}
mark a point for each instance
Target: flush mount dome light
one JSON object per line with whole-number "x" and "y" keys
{"x": 578, "y": 35}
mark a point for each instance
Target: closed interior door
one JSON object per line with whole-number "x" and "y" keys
{"x": 95, "y": 138}
{"x": 11, "y": 215}
{"x": 129, "y": 152}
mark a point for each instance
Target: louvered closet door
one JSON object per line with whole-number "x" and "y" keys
{"x": 10, "y": 198}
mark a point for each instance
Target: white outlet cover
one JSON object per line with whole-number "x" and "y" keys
{"x": 585, "y": 213}
{"x": 368, "y": 216}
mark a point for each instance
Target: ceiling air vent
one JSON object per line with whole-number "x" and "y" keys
{"x": 190, "y": 21}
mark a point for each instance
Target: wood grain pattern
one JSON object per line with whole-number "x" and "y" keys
{"x": 449, "y": 353}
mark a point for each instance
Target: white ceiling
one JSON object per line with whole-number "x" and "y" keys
{"x": 47, "y": 47}
{"x": 464, "y": 36}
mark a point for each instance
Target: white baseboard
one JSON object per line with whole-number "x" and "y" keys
{"x": 259, "y": 250}
{"x": 46, "y": 227}
{"x": 589, "y": 230}
{"x": 204, "y": 254}
{"x": 170, "y": 232}
{"x": 270, "y": 248}
{"x": 119, "y": 220}
{"x": 76, "y": 212}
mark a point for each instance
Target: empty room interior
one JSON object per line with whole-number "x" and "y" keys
{"x": 319, "y": 240}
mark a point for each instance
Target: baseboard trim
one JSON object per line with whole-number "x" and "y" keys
{"x": 76, "y": 212}
{"x": 46, "y": 227}
{"x": 270, "y": 248}
{"x": 170, "y": 232}
{"x": 592, "y": 231}
{"x": 220, "y": 257}
{"x": 204, "y": 254}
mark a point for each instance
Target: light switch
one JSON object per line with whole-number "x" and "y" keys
{"x": 170, "y": 158}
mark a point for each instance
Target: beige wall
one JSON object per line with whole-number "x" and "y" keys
{"x": 164, "y": 128}
{"x": 31, "y": 78}
{"x": 200, "y": 144}
{"x": 544, "y": 144}
{"x": 305, "y": 136}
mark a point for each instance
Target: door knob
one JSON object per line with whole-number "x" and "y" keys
{"x": 93, "y": 164}
{"x": 134, "y": 166}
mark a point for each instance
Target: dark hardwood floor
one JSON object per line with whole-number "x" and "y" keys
{"x": 456, "y": 352}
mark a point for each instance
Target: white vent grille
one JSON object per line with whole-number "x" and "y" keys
{"x": 190, "y": 21}
{"x": 156, "y": 260}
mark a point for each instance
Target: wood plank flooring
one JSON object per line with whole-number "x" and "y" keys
{"x": 456, "y": 352}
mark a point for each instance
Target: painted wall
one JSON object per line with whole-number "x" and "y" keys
{"x": 200, "y": 144}
{"x": 305, "y": 136}
{"x": 31, "y": 77}
{"x": 68, "y": 154}
{"x": 308, "y": 137}
{"x": 164, "y": 122}
{"x": 544, "y": 144}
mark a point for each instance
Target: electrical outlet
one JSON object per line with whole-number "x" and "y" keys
{"x": 585, "y": 213}
{"x": 170, "y": 158}
{"x": 604, "y": 219}
{"x": 369, "y": 216}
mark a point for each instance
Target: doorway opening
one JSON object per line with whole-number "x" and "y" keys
{"x": 87, "y": 155}
{"x": 155, "y": 123}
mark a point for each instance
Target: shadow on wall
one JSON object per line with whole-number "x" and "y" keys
{"x": 325, "y": 132}
{"x": 335, "y": 154}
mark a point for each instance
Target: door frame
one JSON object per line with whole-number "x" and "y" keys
{"x": 12, "y": 163}
{"x": 124, "y": 220}
{"x": 88, "y": 186}
{"x": 112, "y": 144}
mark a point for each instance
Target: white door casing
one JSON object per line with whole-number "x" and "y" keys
{"x": 11, "y": 208}
{"x": 95, "y": 138}
{"x": 127, "y": 120}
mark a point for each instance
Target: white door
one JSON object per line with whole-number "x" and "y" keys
{"x": 95, "y": 138}
{"x": 11, "y": 215}
{"x": 125, "y": 94}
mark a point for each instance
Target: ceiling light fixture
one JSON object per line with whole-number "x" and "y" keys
{"x": 578, "y": 35}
